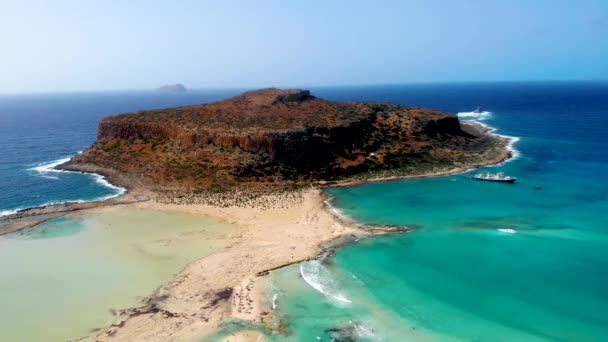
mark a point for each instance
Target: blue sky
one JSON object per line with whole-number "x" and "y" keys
{"x": 67, "y": 45}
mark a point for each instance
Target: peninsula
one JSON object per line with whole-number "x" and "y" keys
{"x": 274, "y": 138}
{"x": 258, "y": 161}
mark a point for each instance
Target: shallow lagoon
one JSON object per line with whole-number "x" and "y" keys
{"x": 61, "y": 280}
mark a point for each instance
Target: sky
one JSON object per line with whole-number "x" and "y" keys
{"x": 65, "y": 45}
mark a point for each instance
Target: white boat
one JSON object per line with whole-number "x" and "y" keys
{"x": 495, "y": 177}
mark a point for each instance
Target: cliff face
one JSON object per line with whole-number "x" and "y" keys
{"x": 272, "y": 135}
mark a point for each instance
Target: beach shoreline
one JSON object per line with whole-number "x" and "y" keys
{"x": 228, "y": 284}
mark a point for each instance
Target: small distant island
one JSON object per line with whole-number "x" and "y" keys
{"x": 172, "y": 88}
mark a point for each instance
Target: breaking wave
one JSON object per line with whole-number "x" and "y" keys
{"x": 477, "y": 116}
{"x": 339, "y": 213}
{"x": 48, "y": 170}
{"x": 319, "y": 278}
{"x": 43, "y": 170}
{"x": 510, "y": 146}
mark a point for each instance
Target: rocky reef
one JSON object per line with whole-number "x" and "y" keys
{"x": 272, "y": 136}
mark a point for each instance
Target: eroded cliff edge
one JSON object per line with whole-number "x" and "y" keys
{"x": 273, "y": 136}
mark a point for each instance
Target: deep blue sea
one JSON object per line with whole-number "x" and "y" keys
{"x": 41, "y": 130}
{"x": 487, "y": 261}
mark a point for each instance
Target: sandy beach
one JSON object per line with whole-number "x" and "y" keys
{"x": 285, "y": 229}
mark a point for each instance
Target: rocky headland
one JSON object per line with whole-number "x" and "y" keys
{"x": 279, "y": 138}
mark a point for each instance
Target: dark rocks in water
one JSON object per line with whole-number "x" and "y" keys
{"x": 346, "y": 334}
{"x": 172, "y": 88}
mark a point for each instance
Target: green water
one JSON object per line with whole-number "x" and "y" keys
{"x": 60, "y": 281}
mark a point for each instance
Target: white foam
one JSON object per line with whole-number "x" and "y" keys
{"x": 478, "y": 116}
{"x": 274, "y": 301}
{"x": 47, "y": 167}
{"x": 510, "y": 145}
{"x": 507, "y": 230}
{"x": 311, "y": 273}
{"x": 339, "y": 213}
{"x": 8, "y": 212}
{"x": 43, "y": 170}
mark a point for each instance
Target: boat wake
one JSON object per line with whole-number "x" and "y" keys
{"x": 319, "y": 278}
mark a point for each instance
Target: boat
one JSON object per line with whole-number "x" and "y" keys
{"x": 495, "y": 177}
{"x": 478, "y": 111}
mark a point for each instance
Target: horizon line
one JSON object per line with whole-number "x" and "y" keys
{"x": 246, "y": 88}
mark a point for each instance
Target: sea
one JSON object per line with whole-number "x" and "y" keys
{"x": 485, "y": 261}
{"x": 40, "y": 131}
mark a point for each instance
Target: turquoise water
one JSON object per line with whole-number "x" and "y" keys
{"x": 487, "y": 261}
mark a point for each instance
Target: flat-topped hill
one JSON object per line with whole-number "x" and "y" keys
{"x": 278, "y": 136}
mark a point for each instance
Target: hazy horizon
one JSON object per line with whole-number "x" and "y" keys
{"x": 306, "y": 87}
{"x": 70, "y": 46}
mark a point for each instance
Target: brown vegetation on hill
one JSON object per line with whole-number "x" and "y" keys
{"x": 272, "y": 136}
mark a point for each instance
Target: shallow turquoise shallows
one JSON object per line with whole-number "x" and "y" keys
{"x": 487, "y": 261}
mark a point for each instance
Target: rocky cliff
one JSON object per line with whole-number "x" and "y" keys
{"x": 271, "y": 135}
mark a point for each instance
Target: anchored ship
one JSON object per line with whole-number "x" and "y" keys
{"x": 495, "y": 177}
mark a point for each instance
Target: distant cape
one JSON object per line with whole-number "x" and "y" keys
{"x": 172, "y": 88}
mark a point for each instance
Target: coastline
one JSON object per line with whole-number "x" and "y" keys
{"x": 506, "y": 154}
{"x": 226, "y": 285}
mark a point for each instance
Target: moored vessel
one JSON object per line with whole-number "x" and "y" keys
{"x": 495, "y": 177}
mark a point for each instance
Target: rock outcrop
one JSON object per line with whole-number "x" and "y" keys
{"x": 271, "y": 135}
